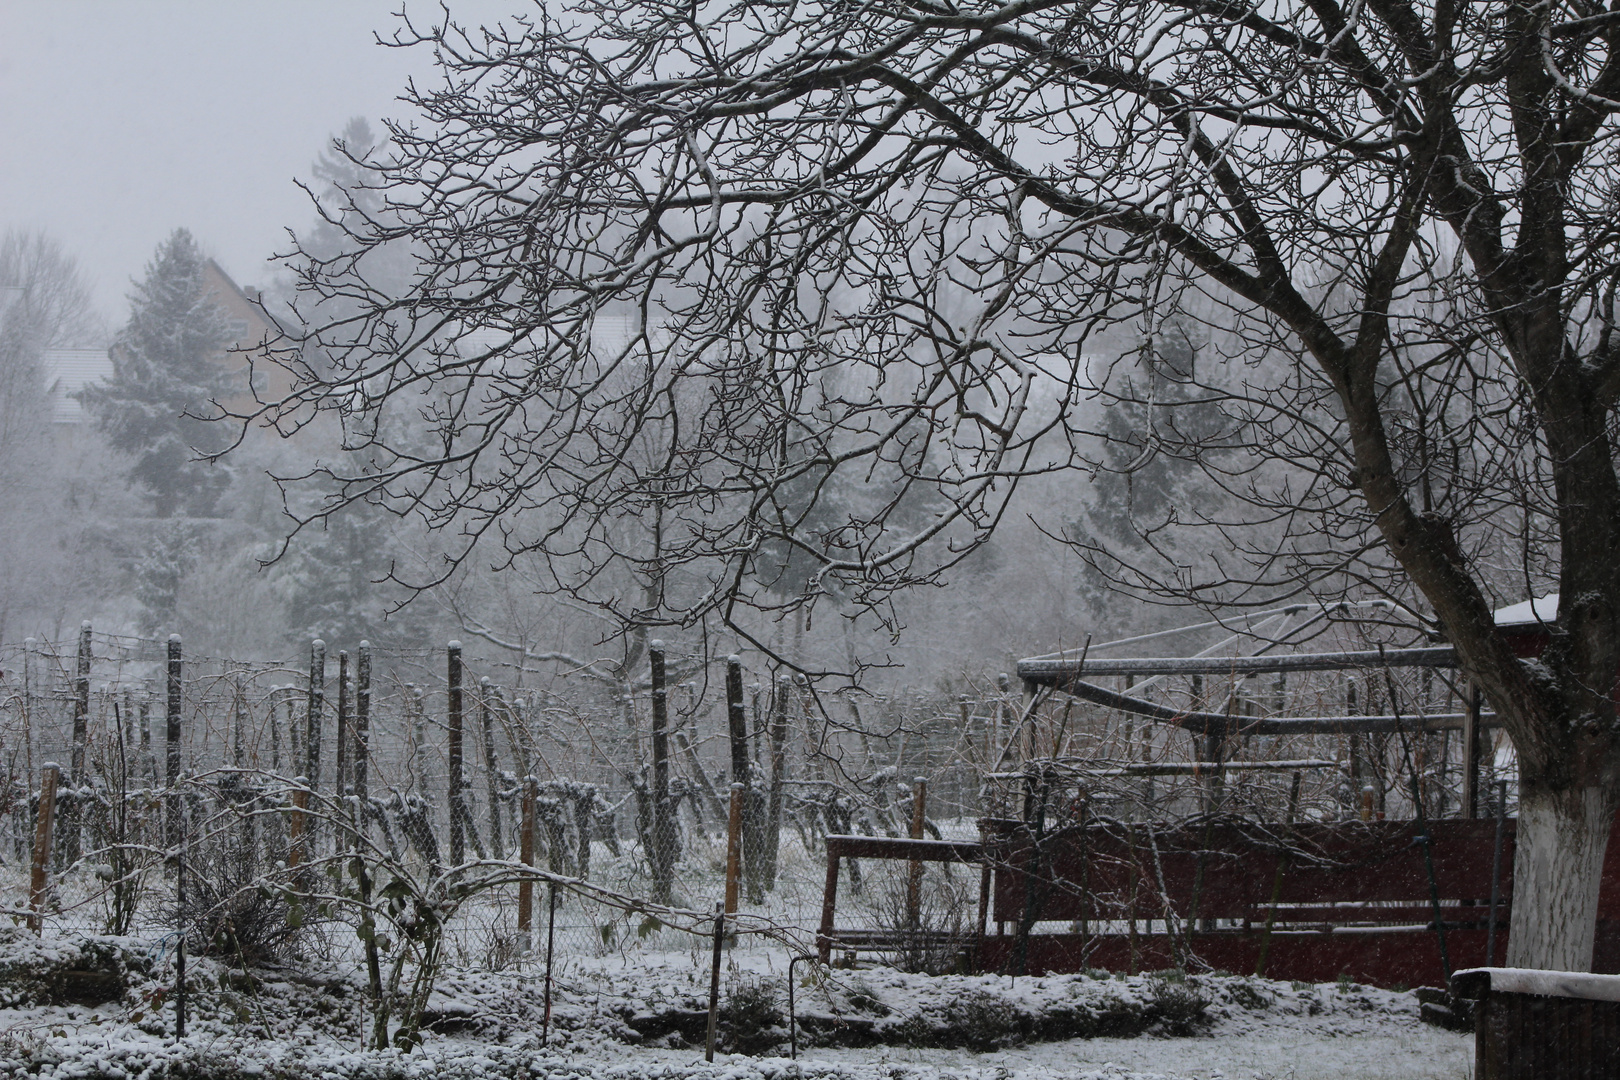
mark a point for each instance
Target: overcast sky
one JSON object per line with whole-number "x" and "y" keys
{"x": 120, "y": 121}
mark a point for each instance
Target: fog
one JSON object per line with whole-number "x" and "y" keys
{"x": 121, "y": 122}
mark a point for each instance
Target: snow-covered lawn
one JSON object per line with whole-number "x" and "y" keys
{"x": 638, "y": 1015}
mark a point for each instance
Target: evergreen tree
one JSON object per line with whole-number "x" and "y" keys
{"x": 161, "y": 572}
{"x": 335, "y": 582}
{"x": 165, "y": 379}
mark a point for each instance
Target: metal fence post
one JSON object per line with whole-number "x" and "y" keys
{"x": 714, "y": 979}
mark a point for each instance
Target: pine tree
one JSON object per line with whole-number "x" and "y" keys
{"x": 165, "y": 379}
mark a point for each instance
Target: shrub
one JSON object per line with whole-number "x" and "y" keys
{"x": 750, "y": 1021}
{"x": 1180, "y": 1009}
{"x": 231, "y": 913}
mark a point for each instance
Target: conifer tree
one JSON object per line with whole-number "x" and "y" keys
{"x": 165, "y": 380}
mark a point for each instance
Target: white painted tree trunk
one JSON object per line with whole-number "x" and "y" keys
{"x": 1557, "y": 867}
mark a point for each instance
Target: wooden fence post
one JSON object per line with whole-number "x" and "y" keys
{"x": 296, "y": 827}
{"x": 344, "y": 736}
{"x": 458, "y": 839}
{"x": 148, "y": 759}
{"x": 238, "y": 719}
{"x": 497, "y": 844}
{"x": 72, "y": 819}
{"x": 316, "y": 704}
{"x": 81, "y": 706}
{"x": 773, "y": 808}
{"x": 29, "y": 644}
{"x": 171, "y": 757}
{"x": 1470, "y": 752}
{"x": 914, "y": 872}
{"x": 362, "y": 725}
{"x": 42, "y": 846}
{"x": 733, "y": 846}
{"x": 829, "y": 904}
{"x": 664, "y": 851}
{"x": 531, "y": 789}
{"x": 753, "y": 838}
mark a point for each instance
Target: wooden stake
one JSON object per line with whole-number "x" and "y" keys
{"x": 1470, "y": 752}
{"x": 341, "y": 761}
{"x": 531, "y": 789}
{"x": 81, "y": 706}
{"x": 458, "y": 839}
{"x": 914, "y": 873}
{"x": 295, "y": 827}
{"x": 71, "y": 814}
{"x": 733, "y": 847}
{"x": 497, "y": 843}
{"x": 663, "y": 854}
{"x": 312, "y": 718}
{"x": 829, "y": 905}
{"x": 238, "y": 720}
{"x": 753, "y": 838}
{"x": 42, "y": 846}
{"x": 362, "y": 723}
{"x": 171, "y": 760}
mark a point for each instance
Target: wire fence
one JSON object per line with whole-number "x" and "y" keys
{"x": 434, "y": 760}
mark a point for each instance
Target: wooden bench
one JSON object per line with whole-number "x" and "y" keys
{"x": 841, "y": 847}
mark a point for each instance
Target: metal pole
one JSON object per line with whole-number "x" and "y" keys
{"x": 793, "y": 1023}
{"x": 551, "y": 941}
{"x": 180, "y": 948}
{"x": 714, "y": 978}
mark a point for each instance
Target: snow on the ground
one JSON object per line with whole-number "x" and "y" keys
{"x": 309, "y": 1023}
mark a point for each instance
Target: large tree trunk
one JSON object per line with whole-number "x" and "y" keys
{"x": 1557, "y": 866}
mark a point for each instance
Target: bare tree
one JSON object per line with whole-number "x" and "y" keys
{"x": 43, "y": 305}
{"x": 707, "y": 267}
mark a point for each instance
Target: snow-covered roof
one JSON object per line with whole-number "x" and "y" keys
{"x": 67, "y": 371}
{"x": 1542, "y": 609}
